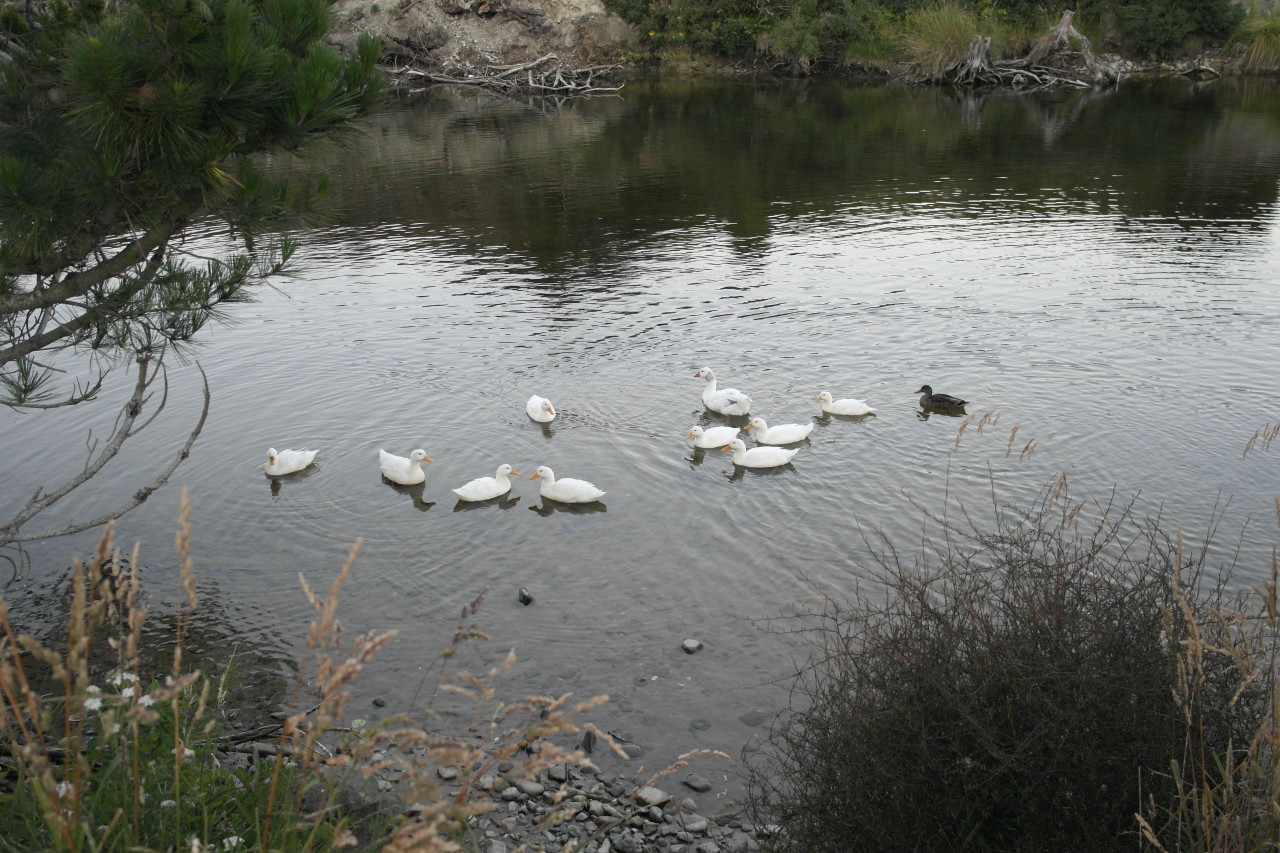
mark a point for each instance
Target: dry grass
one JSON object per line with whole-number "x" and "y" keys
{"x": 936, "y": 38}
{"x": 1262, "y": 34}
{"x": 1227, "y": 800}
{"x": 130, "y": 765}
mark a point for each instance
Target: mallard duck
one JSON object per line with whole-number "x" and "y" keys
{"x": 406, "y": 472}
{"x": 780, "y": 433}
{"x": 930, "y": 400}
{"x": 847, "y": 406}
{"x": 540, "y": 409}
{"x": 281, "y": 462}
{"x": 726, "y": 401}
{"x": 758, "y": 457}
{"x": 712, "y": 436}
{"x": 568, "y": 490}
{"x": 487, "y": 488}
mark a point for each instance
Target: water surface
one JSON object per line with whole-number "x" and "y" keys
{"x": 1098, "y": 267}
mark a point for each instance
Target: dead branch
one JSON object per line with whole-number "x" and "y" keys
{"x": 546, "y": 75}
{"x": 126, "y": 426}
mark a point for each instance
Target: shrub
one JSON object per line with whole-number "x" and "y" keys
{"x": 1160, "y": 27}
{"x": 1013, "y": 690}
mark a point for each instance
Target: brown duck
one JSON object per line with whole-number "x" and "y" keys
{"x": 930, "y": 400}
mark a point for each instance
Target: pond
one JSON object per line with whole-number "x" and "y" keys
{"x": 1097, "y": 267}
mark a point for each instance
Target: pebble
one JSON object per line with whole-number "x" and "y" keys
{"x": 651, "y": 796}
{"x": 697, "y": 783}
{"x": 591, "y": 811}
{"x": 691, "y": 646}
{"x": 525, "y": 597}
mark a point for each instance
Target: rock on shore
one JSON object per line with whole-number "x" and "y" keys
{"x": 476, "y": 33}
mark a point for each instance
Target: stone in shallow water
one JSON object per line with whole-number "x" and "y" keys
{"x": 525, "y": 597}
{"x": 697, "y": 783}
{"x": 691, "y": 646}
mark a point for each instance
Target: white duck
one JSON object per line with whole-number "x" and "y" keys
{"x": 726, "y": 401}
{"x": 847, "y": 406}
{"x": 540, "y": 409}
{"x": 487, "y": 488}
{"x": 758, "y": 457}
{"x": 779, "y": 433}
{"x": 567, "y": 490}
{"x": 287, "y": 461}
{"x": 712, "y": 436}
{"x": 406, "y": 472}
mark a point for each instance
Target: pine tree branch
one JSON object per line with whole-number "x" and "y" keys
{"x": 79, "y": 283}
{"x": 88, "y": 314}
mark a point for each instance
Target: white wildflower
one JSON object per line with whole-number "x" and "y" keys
{"x": 232, "y": 842}
{"x": 93, "y": 703}
{"x": 64, "y": 788}
{"x": 168, "y": 804}
{"x": 147, "y": 701}
{"x": 93, "y": 690}
{"x": 121, "y": 678}
{"x": 187, "y": 752}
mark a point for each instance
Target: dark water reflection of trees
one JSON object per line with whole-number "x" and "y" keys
{"x": 606, "y": 177}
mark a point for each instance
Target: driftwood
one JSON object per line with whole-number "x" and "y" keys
{"x": 1201, "y": 70}
{"x": 547, "y": 75}
{"x": 1032, "y": 70}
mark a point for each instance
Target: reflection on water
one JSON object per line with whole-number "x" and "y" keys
{"x": 1072, "y": 261}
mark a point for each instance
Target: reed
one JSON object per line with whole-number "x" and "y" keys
{"x": 1226, "y": 793}
{"x": 122, "y": 762}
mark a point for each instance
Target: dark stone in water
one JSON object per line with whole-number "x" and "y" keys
{"x": 379, "y": 702}
{"x": 525, "y": 597}
{"x": 697, "y": 783}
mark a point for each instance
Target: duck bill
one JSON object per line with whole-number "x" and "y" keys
{"x": 427, "y": 459}
{"x": 726, "y": 447}
{"x": 534, "y": 476}
{"x": 749, "y": 426}
{"x": 689, "y": 436}
{"x": 516, "y": 474}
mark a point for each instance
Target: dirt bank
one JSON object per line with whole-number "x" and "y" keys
{"x": 481, "y": 33}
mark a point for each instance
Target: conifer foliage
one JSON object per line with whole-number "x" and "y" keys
{"x": 121, "y": 123}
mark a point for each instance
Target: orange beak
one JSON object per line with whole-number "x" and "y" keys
{"x": 516, "y": 474}
{"x": 726, "y": 447}
{"x": 817, "y": 399}
{"x": 427, "y": 459}
{"x": 690, "y": 435}
{"x": 748, "y": 426}
{"x": 535, "y": 476}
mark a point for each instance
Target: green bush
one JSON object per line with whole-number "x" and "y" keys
{"x": 1015, "y": 690}
{"x": 1161, "y": 27}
